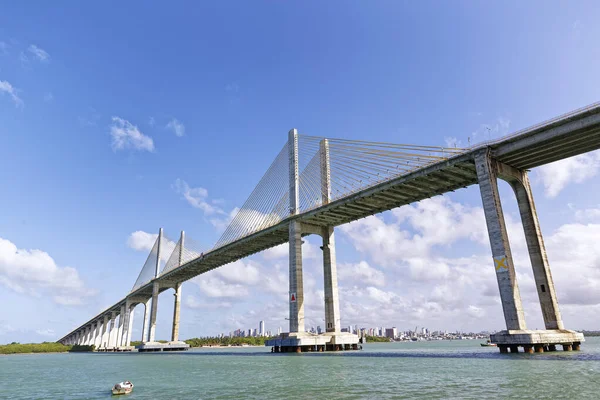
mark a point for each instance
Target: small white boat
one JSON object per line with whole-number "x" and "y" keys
{"x": 122, "y": 388}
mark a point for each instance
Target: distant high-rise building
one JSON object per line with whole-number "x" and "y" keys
{"x": 278, "y": 331}
{"x": 261, "y": 328}
{"x": 391, "y": 333}
{"x": 319, "y": 331}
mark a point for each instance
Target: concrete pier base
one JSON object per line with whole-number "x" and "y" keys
{"x": 117, "y": 349}
{"x": 300, "y": 342}
{"x": 157, "y": 346}
{"x": 540, "y": 340}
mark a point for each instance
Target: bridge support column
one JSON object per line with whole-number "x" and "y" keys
{"x": 97, "y": 333}
{"x": 332, "y": 300}
{"x": 519, "y": 181}
{"x": 146, "y": 318}
{"x": 105, "y": 332}
{"x": 488, "y": 170}
{"x": 90, "y": 335}
{"x": 296, "y": 295}
{"x": 112, "y": 333}
{"x": 130, "y": 326}
{"x": 125, "y": 334}
{"x": 503, "y": 263}
{"x": 176, "y": 313}
{"x": 153, "y": 311}
{"x": 96, "y": 329}
{"x": 120, "y": 328}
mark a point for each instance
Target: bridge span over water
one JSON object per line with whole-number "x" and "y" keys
{"x": 315, "y": 184}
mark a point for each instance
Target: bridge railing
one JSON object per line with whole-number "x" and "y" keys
{"x": 532, "y": 128}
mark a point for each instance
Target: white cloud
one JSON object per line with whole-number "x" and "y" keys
{"x": 196, "y": 197}
{"x": 475, "y": 312}
{"x": 240, "y": 272}
{"x": 309, "y": 251}
{"x": 34, "y": 272}
{"x": 361, "y": 273}
{"x": 557, "y": 175}
{"x": 379, "y": 295}
{"x": 39, "y": 53}
{"x": 192, "y": 302}
{"x": 588, "y": 214}
{"x": 574, "y": 257}
{"x": 6, "y": 87}
{"x": 45, "y": 332}
{"x": 177, "y": 127}
{"x": 436, "y": 221}
{"x": 140, "y": 240}
{"x": 125, "y": 135}
{"x": 276, "y": 281}
{"x": 212, "y": 286}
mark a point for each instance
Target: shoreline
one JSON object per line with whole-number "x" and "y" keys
{"x": 39, "y": 352}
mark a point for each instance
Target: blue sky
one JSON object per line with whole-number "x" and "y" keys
{"x": 205, "y": 94}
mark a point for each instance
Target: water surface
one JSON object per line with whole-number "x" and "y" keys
{"x": 433, "y": 370}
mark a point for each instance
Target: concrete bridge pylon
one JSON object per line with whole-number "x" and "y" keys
{"x": 516, "y": 334}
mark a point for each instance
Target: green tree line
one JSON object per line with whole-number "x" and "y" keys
{"x": 376, "y": 339}
{"x": 227, "y": 341}
{"x": 45, "y": 347}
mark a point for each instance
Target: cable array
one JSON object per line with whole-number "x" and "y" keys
{"x": 356, "y": 165}
{"x": 267, "y": 204}
{"x": 149, "y": 269}
{"x": 191, "y": 250}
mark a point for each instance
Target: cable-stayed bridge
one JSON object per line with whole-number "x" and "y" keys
{"x": 316, "y": 183}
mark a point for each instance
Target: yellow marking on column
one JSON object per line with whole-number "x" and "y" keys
{"x": 500, "y": 263}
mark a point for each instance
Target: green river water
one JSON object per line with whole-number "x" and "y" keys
{"x": 432, "y": 370}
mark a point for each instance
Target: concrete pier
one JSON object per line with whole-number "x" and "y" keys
{"x": 297, "y": 340}
{"x": 176, "y": 313}
{"x": 501, "y": 253}
{"x": 112, "y": 336}
{"x": 516, "y": 335}
{"x": 302, "y": 342}
{"x": 147, "y": 306}
{"x": 539, "y": 340}
{"x": 296, "y": 287}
